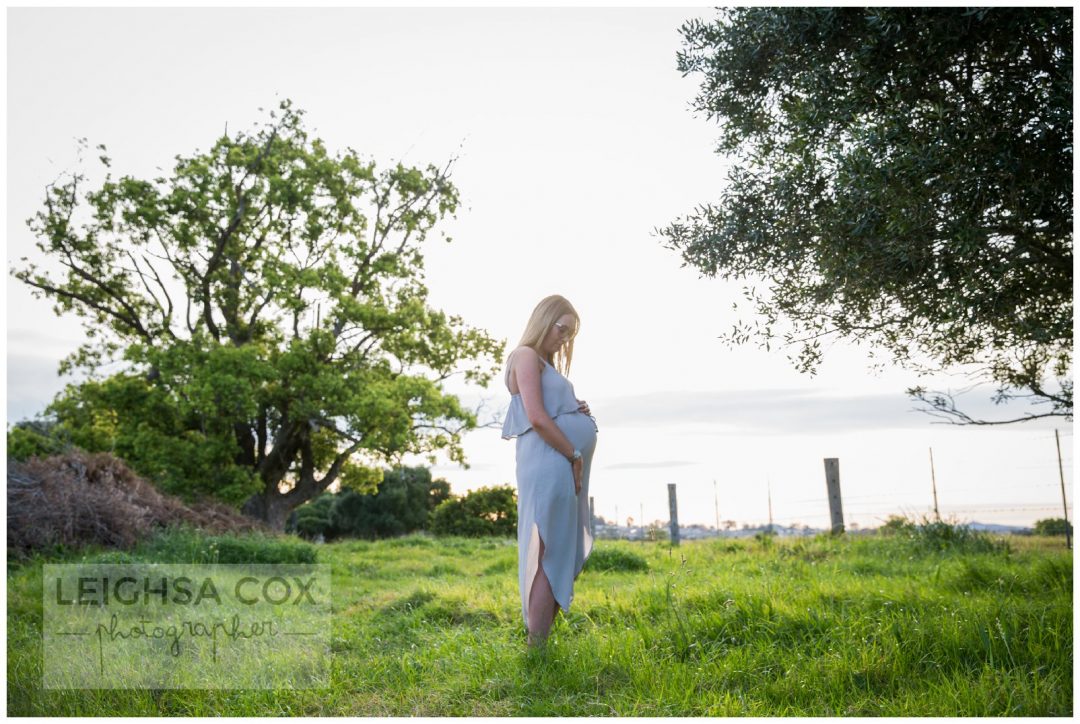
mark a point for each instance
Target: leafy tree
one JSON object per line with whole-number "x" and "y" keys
{"x": 35, "y": 438}
{"x": 400, "y": 505}
{"x": 482, "y": 512}
{"x": 268, "y": 297}
{"x": 902, "y": 177}
{"x": 140, "y": 422}
{"x": 1052, "y": 526}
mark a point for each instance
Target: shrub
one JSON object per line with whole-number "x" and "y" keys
{"x": 897, "y": 525}
{"x": 941, "y": 535}
{"x": 440, "y": 491}
{"x": 313, "y": 518}
{"x": 402, "y": 504}
{"x": 35, "y": 438}
{"x": 1052, "y": 526}
{"x": 482, "y": 512}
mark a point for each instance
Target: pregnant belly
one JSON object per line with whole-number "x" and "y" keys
{"x": 579, "y": 428}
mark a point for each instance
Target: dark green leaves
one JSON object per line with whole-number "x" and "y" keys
{"x": 904, "y": 178}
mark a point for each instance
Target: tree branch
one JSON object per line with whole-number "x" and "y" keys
{"x": 90, "y": 303}
{"x": 943, "y": 405}
{"x": 166, "y": 316}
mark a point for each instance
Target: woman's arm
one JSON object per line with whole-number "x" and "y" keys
{"x": 526, "y": 370}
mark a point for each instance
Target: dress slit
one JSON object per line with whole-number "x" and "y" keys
{"x": 534, "y": 565}
{"x": 532, "y": 558}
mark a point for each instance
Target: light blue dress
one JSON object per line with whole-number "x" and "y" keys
{"x": 548, "y": 508}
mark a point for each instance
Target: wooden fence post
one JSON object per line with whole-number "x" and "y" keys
{"x": 592, "y": 516}
{"x": 674, "y": 512}
{"x": 832, "y": 482}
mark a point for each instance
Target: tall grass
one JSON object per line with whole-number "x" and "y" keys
{"x": 874, "y": 626}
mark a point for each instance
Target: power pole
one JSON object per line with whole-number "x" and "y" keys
{"x": 1064, "y": 504}
{"x": 768, "y": 488}
{"x": 716, "y": 502}
{"x": 642, "y": 521}
{"x": 933, "y": 482}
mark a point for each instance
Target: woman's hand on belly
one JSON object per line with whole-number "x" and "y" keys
{"x": 579, "y": 430}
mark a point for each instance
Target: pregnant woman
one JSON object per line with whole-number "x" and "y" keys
{"x": 555, "y": 442}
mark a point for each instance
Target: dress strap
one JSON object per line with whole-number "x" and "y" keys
{"x": 506, "y": 374}
{"x": 509, "y": 366}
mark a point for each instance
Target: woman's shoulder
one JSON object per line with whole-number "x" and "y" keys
{"x": 523, "y": 352}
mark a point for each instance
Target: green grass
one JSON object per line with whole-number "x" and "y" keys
{"x": 870, "y": 626}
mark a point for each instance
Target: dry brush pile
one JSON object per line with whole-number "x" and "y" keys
{"x": 81, "y": 498}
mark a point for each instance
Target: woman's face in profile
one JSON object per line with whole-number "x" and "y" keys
{"x": 561, "y": 332}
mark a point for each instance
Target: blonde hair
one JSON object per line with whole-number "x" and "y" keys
{"x": 545, "y": 315}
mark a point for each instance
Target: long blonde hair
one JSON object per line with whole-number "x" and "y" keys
{"x": 545, "y": 315}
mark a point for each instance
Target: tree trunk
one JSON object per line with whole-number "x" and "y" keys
{"x": 270, "y": 507}
{"x": 274, "y": 507}
{"x": 269, "y": 504}
{"x": 245, "y": 438}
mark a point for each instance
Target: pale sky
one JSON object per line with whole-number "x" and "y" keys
{"x": 575, "y": 141}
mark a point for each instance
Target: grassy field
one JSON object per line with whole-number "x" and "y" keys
{"x": 900, "y": 626}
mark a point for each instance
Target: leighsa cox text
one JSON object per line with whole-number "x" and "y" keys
{"x": 173, "y": 626}
{"x": 182, "y": 590}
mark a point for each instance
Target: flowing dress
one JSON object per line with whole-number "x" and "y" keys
{"x": 548, "y": 508}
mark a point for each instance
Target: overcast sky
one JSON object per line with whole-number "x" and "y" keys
{"x": 575, "y": 142}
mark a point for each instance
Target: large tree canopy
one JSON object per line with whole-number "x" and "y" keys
{"x": 902, "y": 177}
{"x": 269, "y": 296}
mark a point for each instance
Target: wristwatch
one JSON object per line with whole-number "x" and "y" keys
{"x": 575, "y": 457}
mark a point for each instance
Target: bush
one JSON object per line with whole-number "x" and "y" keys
{"x": 482, "y": 512}
{"x": 1052, "y": 526}
{"x": 941, "y": 535}
{"x": 35, "y": 438}
{"x": 897, "y": 525}
{"x": 402, "y": 504}
{"x": 312, "y": 519}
